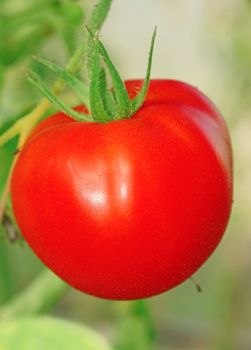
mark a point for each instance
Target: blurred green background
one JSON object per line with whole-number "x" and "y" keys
{"x": 205, "y": 43}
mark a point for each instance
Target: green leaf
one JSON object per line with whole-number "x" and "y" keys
{"x": 139, "y": 99}
{"x": 40, "y": 333}
{"x": 70, "y": 36}
{"x": 35, "y": 79}
{"x": 79, "y": 87}
{"x": 69, "y": 18}
{"x": 72, "y": 13}
{"x": 19, "y": 48}
{"x": 43, "y": 14}
{"x": 23, "y": 31}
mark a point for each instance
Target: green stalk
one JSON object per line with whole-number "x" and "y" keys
{"x": 141, "y": 310}
{"x": 95, "y": 22}
{"x": 136, "y": 329}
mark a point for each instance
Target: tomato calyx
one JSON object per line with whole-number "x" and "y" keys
{"x": 113, "y": 104}
{"x": 105, "y": 103}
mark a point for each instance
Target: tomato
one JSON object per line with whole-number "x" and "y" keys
{"x": 130, "y": 208}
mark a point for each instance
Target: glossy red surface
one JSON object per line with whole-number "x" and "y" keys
{"x": 130, "y": 208}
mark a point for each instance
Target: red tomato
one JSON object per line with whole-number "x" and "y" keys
{"x": 130, "y": 208}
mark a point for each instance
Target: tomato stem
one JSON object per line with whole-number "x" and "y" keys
{"x": 95, "y": 22}
{"x": 109, "y": 104}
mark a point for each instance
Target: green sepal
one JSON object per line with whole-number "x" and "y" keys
{"x": 98, "y": 110}
{"x": 138, "y": 101}
{"x": 35, "y": 79}
{"x": 123, "y": 102}
{"x": 80, "y": 88}
{"x": 116, "y": 102}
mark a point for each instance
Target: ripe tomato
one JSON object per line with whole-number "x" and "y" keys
{"x": 130, "y": 208}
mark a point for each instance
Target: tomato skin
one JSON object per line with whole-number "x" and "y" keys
{"x": 130, "y": 208}
{"x": 174, "y": 91}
